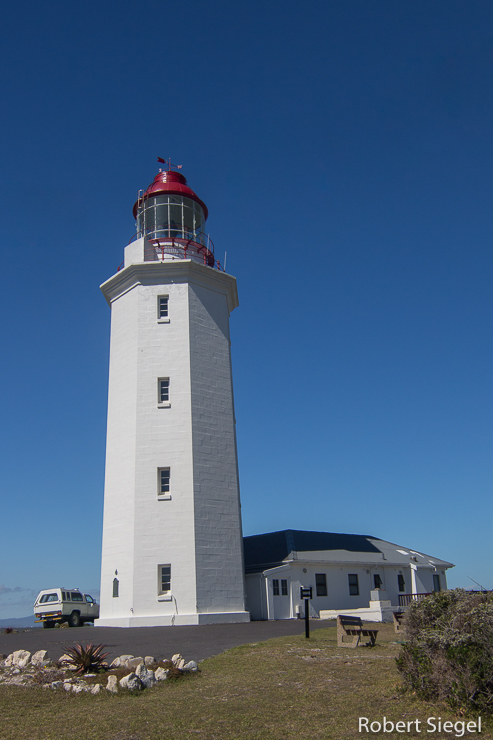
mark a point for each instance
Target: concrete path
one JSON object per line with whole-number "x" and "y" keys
{"x": 194, "y": 643}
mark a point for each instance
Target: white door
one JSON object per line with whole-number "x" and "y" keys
{"x": 281, "y": 590}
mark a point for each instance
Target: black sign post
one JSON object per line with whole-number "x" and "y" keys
{"x": 306, "y": 594}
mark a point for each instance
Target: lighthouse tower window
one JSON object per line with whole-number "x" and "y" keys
{"x": 163, "y": 392}
{"x": 164, "y": 579}
{"x": 163, "y": 483}
{"x": 162, "y": 307}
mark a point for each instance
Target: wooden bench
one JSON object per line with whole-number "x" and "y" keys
{"x": 398, "y": 617}
{"x": 353, "y": 627}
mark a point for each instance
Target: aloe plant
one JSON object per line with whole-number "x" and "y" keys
{"x": 86, "y": 659}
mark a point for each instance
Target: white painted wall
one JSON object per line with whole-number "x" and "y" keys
{"x": 197, "y": 529}
{"x": 338, "y": 596}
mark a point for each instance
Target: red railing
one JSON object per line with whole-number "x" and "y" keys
{"x": 406, "y": 599}
{"x": 179, "y": 245}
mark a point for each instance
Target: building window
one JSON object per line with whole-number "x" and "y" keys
{"x": 321, "y": 584}
{"x": 162, "y": 306}
{"x": 377, "y": 581}
{"x": 163, "y": 481}
{"x": 436, "y": 583}
{"x": 163, "y": 391}
{"x": 284, "y": 587}
{"x": 353, "y": 584}
{"x": 164, "y": 579}
{"x": 275, "y": 587}
{"x": 116, "y": 589}
{"x": 401, "y": 583}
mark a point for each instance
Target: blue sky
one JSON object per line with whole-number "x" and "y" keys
{"x": 345, "y": 152}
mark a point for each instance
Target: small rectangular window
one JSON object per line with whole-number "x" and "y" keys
{"x": 401, "y": 583}
{"x": 116, "y": 590}
{"x": 377, "y": 581}
{"x": 436, "y": 583}
{"x": 353, "y": 584}
{"x": 162, "y": 306}
{"x": 275, "y": 586}
{"x": 163, "y": 481}
{"x": 164, "y": 579}
{"x": 321, "y": 584}
{"x": 284, "y": 587}
{"x": 163, "y": 390}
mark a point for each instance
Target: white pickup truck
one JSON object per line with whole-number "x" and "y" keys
{"x": 65, "y": 605}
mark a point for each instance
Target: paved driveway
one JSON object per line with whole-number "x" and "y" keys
{"x": 194, "y": 643}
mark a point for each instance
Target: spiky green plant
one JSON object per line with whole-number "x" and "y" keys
{"x": 86, "y": 659}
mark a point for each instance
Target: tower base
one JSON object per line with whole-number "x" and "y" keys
{"x": 174, "y": 620}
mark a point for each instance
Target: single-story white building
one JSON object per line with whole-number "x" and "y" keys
{"x": 345, "y": 571}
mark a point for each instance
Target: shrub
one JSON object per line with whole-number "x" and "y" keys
{"x": 86, "y": 659}
{"x": 8, "y": 630}
{"x": 448, "y": 653}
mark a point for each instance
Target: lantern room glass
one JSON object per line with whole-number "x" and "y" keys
{"x": 171, "y": 217}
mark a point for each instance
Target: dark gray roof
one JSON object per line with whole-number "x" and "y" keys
{"x": 263, "y": 551}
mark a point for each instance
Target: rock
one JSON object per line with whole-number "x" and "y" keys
{"x": 112, "y": 684}
{"x": 56, "y": 684}
{"x": 116, "y": 663}
{"x": 8, "y": 660}
{"x": 146, "y": 676}
{"x": 132, "y": 663}
{"x": 176, "y": 659}
{"x": 96, "y": 689}
{"x": 149, "y": 660}
{"x": 78, "y": 689}
{"x": 190, "y": 667}
{"x": 161, "y": 674}
{"x": 131, "y": 682}
{"x": 39, "y": 658}
{"x": 180, "y": 664}
{"x": 123, "y": 659}
{"x": 65, "y": 662}
{"x": 21, "y": 658}
{"x": 67, "y": 686}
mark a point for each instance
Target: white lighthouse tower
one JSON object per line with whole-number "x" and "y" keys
{"x": 172, "y": 541}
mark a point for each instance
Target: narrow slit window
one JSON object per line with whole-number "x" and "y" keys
{"x": 162, "y": 306}
{"x": 164, "y": 579}
{"x": 163, "y": 390}
{"x": 164, "y": 475}
{"x": 401, "y": 582}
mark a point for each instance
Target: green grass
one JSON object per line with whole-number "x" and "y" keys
{"x": 289, "y": 688}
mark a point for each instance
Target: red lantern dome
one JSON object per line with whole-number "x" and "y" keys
{"x": 172, "y": 183}
{"x": 171, "y": 217}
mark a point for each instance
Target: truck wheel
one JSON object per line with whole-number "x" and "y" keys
{"x": 74, "y": 620}
{"x": 48, "y": 624}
